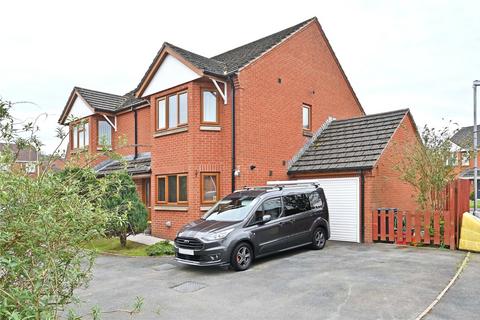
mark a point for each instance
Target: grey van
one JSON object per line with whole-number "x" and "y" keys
{"x": 253, "y": 223}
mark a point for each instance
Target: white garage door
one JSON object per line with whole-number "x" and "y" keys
{"x": 343, "y": 198}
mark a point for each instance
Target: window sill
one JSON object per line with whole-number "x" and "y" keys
{"x": 307, "y": 133}
{"x": 101, "y": 149}
{"x": 205, "y": 208}
{"x": 210, "y": 128}
{"x": 170, "y": 131}
{"x": 79, "y": 150}
{"x": 171, "y": 208}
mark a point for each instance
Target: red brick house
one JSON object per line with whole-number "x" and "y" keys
{"x": 462, "y": 155}
{"x": 212, "y": 125}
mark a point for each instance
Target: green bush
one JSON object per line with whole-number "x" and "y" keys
{"x": 472, "y": 195}
{"x": 45, "y": 222}
{"x": 128, "y": 215}
{"x": 163, "y": 248}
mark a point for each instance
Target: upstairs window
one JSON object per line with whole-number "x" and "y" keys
{"x": 209, "y": 107}
{"x": 172, "y": 111}
{"x": 104, "y": 133}
{"x": 465, "y": 159}
{"x": 307, "y": 117}
{"x": 80, "y": 135}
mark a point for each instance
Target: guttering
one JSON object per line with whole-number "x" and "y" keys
{"x": 362, "y": 208}
{"x": 232, "y": 83}
{"x": 135, "y": 132}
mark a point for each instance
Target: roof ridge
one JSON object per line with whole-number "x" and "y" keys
{"x": 267, "y": 36}
{"x": 403, "y": 111}
{"x": 103, "y": 92}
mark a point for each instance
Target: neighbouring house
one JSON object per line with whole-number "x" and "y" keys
{"x": 25, "y": 159}
{"x": 101, "y": 121}
{"x": 196, "y": 128}
{"x": 462, "y": 156}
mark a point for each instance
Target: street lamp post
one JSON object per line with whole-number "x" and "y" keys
{"x": 476, "y": 83}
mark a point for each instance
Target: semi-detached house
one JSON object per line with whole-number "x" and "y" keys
{"x": 196, "y": 128}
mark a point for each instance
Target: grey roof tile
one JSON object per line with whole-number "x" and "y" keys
{"x": 232, "y": 60}
{"x": 350, "y": 144}
{"x": 140, "y": 165}
{"x": 464, "y": 137}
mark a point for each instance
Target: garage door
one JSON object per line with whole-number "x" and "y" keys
{"x": 343, "y": 198}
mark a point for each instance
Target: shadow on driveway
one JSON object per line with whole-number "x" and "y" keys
{"x": 343, "y": 281}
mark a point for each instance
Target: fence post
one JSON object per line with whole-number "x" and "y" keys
{"x": 374, "y": 225}
{"x": 453, "y": 206}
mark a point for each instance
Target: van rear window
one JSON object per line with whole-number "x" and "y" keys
{"x": 296, "y": 203}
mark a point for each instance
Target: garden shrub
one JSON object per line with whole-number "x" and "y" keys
{"x": 161, "y": 248}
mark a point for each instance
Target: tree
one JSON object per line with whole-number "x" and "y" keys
{"x": 429, "y": 168}
{"x": 44, "y": 224}
{"x": 128, "y": 215}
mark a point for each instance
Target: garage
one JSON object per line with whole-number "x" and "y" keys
{"x": 343, "y": 198}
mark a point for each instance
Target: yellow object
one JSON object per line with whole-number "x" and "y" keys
{"x": 470, "y": 233}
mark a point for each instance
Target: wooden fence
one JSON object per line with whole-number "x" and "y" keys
{"x": 391, "y": 225}
{"x": 440, "y": 228}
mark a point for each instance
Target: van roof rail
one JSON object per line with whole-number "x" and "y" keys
{"x": 275, "y": 187}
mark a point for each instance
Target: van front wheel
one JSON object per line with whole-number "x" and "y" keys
{"x": 242, "y": 256}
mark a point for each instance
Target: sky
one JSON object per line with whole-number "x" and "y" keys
{"x": 396, "y": 54}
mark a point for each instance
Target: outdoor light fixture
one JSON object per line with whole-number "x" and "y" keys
{"x": 476, "y": 83}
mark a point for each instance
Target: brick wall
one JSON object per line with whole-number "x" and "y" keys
{"x": 270, "y": 113}
{"x": 269, "y": 122}
{"x": 123, "y": 139}
{"x": 192, "y": 152}
{"x": 383, "y": 185}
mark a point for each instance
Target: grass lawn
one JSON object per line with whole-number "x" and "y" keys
{"x": 478, "y": 203}
{"x": 112, "y": 245}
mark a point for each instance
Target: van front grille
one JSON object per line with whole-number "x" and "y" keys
{"x": 189, "y": 243}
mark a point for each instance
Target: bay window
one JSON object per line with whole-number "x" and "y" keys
{"x": 104, "y": 133}
{"x": 80, "y": 135}
{"x": 172, "y": 189}
{"x": 209, "y": 107}
{"x": 172, "y": 111}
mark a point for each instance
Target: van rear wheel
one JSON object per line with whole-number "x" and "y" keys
{"x": 319, "y": 239}
{"x": 242, "y": 256}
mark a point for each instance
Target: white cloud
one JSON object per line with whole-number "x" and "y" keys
{"x": 417, "y": 54}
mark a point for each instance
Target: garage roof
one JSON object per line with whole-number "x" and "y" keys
{"x": 350, "y": 144}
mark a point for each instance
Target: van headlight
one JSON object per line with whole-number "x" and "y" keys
{"x": 217, "y": 235}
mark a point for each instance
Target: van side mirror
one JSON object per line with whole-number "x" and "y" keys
{"x": 266, "y": 218}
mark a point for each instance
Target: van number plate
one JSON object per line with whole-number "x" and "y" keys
{"x": 186, "y": 251}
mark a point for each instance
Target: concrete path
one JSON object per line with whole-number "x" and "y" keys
{"x": 462, "y": 301}
{"x": 343, "y": 281}
{"x": 144, "y": 239}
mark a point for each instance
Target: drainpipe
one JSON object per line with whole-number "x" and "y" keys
{"x": 362, "y": 208}
{"x": 135, "y": 132}
{"x": 232, "y": 83}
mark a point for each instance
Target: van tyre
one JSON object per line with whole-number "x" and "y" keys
{"x": 319, "y": 239}
{"x": 242, "y": 257}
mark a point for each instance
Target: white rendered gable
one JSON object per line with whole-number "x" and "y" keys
{"x": 171, "y": 73}
{"x": 79, "y": 109}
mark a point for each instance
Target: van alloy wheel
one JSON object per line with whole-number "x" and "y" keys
{"x": 319, "y": 239}
{"x": 242, "y": 257}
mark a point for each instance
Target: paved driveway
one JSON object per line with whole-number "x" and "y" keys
{"x": 343, "y": 281}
